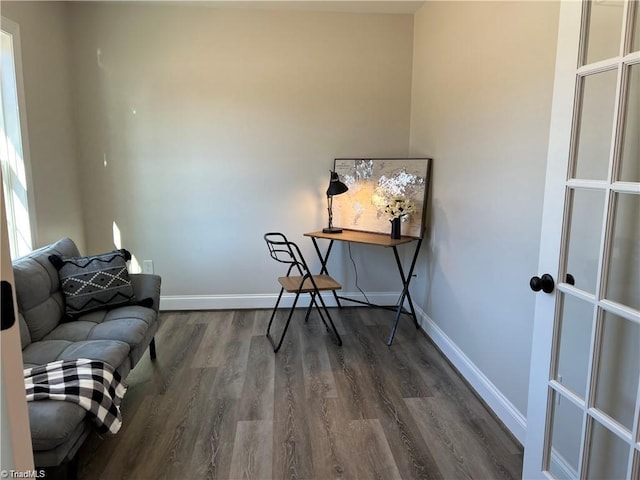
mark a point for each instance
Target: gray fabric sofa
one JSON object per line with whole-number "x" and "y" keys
{"x": 117, "y": 336}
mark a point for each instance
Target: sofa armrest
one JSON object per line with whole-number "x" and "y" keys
{"x": 146, "y": 286}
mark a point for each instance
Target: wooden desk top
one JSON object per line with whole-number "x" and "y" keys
{"x": 355, "y": 236}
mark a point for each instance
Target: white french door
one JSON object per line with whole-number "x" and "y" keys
{"x": 584, "y": 393}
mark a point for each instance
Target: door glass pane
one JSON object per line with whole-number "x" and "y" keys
{"x": 584, "y": 237}
{"x": 631, "y": 142}
{"x": 576, "y": 322}
{"x": 605, "y": 30}
{"x": 623, "y": 284}
{"x": 635, "y": 43}
{"x": 596, "y": 125}
{"x": 608, "y": 455}
{"x": 566, "y": 432}
{"x": 618, "y": 369}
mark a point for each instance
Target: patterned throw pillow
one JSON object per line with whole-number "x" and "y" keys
{"x": 94, "y": 283}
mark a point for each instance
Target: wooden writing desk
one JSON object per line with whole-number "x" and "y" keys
{"x": 381, "y": 240}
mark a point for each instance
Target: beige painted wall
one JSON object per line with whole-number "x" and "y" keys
{"x": 48, "y": 95}
{"x": 481, "y": 102}
{"x": 200, "y": 129}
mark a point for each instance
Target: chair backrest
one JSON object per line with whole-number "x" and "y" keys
{"x": 284, "y": 251}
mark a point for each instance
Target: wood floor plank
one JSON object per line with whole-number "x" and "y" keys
{"x": 447, "y": 439}
{"x": 175, "y": 420}
{"x": 355, "y": 394}
{"x": 236, "y": 352}
{"x": 177, "y": 343}
{"x": 163, "y": 426}
{"x": 252, "y": 450}
{"x": 218, "y": 403}
{"x": 443, "y": 379}
{"x": 458, "y": 448}
{"x": 409, "y": 383}
{"x": 330, "y": 448}
{"x": 213, "y": 449}
{"x": 260, "y": 322}
{"x": 376, "y": 459}
{"x": 216, "y": 335}
{"x": 197, "y": 316}
{"x": 337, "y": 439}
{"x": 316, "y": 368}
{"x": 292, "y": 441}
{"x": 341, "y": 316}
{"x": 148, "y": 383}
{"x": 257, "y": 398}
{"x": 411, "y": 454}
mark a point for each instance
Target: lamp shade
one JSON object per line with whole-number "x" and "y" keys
{"x": 336, "y": 187}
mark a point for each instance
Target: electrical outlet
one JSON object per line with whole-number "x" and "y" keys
{"x": 147, "y": 266}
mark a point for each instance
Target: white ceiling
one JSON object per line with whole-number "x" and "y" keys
{"x": 349, "y": 6}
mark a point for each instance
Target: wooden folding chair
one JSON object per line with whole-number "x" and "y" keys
{"x": 284, "y": 251}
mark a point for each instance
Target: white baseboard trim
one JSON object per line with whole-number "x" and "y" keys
{"x": 513, "y": 419}
{"x": 232, "y": 302}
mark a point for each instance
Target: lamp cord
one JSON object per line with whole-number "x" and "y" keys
{"x": 355, "y": 269}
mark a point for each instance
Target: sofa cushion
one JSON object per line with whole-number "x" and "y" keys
{"x": 44, "y": 351}
{"x": 129, "y": 324}
{"x": 113, "y": 352}
{"x": 53, "y": 422}
{"x": 95, "y": 282}
{"x": 37, "y": 287}
{"x": 25, "y": 336}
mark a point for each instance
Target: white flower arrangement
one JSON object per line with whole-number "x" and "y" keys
{"x": 399, "y": 207}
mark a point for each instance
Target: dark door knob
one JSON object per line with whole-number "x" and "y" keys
{"x": 8, "y": 314}
{"x": 544, "y": 283}
{"x": 570, "y": 279}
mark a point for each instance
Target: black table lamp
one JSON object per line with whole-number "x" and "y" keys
{"x": 336, "y": 187}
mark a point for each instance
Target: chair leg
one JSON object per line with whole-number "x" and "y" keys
{"x": 286, "y": 326}
{"x": 306, "y": 317}
{"x": 311, "y": 304}
{"x": 275, "y": 309}
{"x": 324, "y": 306}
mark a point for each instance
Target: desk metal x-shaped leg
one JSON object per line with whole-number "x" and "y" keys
{"x": 405, "y": 290}
{"x": 323, "y": 261}
{"x": 406, "y": 280}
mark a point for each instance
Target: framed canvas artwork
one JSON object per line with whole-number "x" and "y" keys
{"x": 376, "y": 187}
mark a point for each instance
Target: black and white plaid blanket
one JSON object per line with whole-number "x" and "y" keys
{"x": 92, "y": 384}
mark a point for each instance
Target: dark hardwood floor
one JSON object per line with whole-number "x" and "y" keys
{"x": 218, "y": 403}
